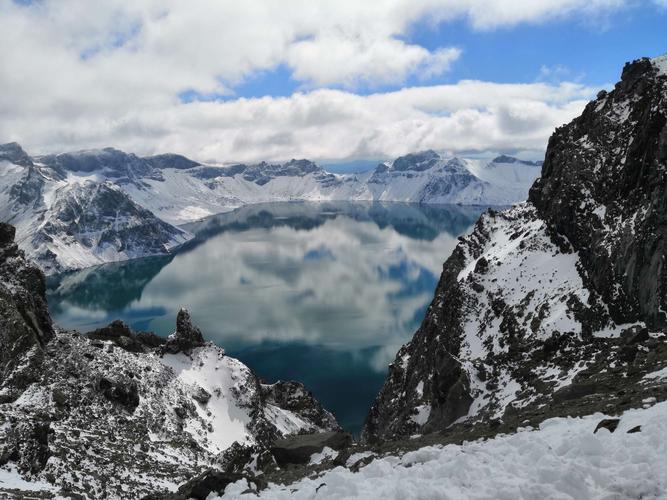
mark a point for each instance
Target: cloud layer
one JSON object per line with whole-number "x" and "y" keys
{"x": 87, "y": 74}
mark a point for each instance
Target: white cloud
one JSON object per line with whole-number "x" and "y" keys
{"x": 79, "y": 74}
{"x": 324, "y": 124}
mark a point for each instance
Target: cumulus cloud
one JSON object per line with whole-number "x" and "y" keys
{"x": 85, "y": 74}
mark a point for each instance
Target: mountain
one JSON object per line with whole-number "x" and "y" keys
{"x": 79, "y": 209}
{"x": 557, "y": 306}
{"x": 117, "y": 413}
{"x": 66, "y": 220}
{"x": 427, "y": 177}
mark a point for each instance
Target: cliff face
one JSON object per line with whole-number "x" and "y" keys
{"x": 25, "y": 325}
{"x": 120, "y": 413}
{"x": 604, "y": 188}
{"x": 557, "y": 304}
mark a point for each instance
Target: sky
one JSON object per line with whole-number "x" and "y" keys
{"x": 337, "y": 81}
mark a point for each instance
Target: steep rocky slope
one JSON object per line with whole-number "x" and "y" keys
{"x": 69, "y": 221}
{"x": 556, "y": 306}
{"x": 119, "y": 413}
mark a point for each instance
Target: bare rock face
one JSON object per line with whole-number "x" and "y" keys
{"x": 557, "y": 306}
{"x": 186, "y": 337}
{"x": 25, "y": 325}
{"x": 604, "y": 189}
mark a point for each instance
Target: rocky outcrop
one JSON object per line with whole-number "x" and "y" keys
{"x": 186, "y": 337}
{"x": 116, "y": 413}
{"x": 604, "y": 189}
{"x": 557, "y": 304}
{"x": 25, "y": 325}
{"x": 299, "y": 449}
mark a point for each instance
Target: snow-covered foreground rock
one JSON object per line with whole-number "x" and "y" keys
{"x": 76, "y": 210}
{"x": 563, "y": 458}
{"x": 118, "y": 413}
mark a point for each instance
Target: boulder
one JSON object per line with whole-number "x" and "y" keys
{"x": 635, "y": 335}
{"x": 608, "y": 423}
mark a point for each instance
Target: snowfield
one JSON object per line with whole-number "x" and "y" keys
{"x": 563, "y": 459}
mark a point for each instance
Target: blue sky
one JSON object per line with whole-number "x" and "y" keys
{"x": 336, "y": 81}
{"x": 587, "y": 51}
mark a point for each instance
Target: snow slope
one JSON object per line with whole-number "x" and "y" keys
{"x": 563, "y": 459}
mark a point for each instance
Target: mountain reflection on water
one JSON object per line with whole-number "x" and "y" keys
{"x": 323, "y": 293}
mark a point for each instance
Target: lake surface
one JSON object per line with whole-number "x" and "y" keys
{"x": 323, "y": 293}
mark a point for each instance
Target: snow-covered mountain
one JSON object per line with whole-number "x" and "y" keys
{"x": 74, "y": 213}
{"x": 74, "y": 210}
{"x": 557, "y": 306}
{"x": 120, "y": 414}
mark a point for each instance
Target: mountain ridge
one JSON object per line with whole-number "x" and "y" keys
{"x": 53, "y": 199}
{"x": 558, "y": 294}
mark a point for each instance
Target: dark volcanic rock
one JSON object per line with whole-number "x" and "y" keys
{"x": 14, "y": 153}
{"x": 170, "y": 160}
{"x": 109, "y": 414}
{"x": 122, "y": 335}
{"x": 604, "y": 188}
{"x": 201, "y": 486}
{"x": 293, "y": 396}
{"x": 186, "y": 337}
{"x": 608, "y": 423}
{"x": 299, "y": 449}
{"x": 25, "y": 325}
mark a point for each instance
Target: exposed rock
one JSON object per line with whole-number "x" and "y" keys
{"x": 534, "y": 301}
{"x": 293, "y": 396}
{"x": 608, "y": 423}
{"x": 206, "y": 483}
{"x": 635, "y": 335}
{"x": 298, "y": 449}
{"x": 186, "y": 337}
{"x": 603, "y": 189}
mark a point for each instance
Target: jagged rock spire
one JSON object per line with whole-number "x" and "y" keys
{"x": 186, "y": 337}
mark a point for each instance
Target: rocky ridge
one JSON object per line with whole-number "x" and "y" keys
{"x": 558, "y": 304}
{"x": 120, "y": 413}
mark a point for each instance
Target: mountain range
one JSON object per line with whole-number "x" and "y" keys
{"x": 75, "y": 210}
{"x": 539, "y": 370}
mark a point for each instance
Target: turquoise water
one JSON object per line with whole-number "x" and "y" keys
{"x": 323, "y": 293}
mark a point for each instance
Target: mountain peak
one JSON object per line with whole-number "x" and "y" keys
{"x": 14, "y": 153}
{"x": 420, "y": 161}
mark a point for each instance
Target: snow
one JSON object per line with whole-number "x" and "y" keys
{"x": 11, "y": 479}
{"x": 326, "y": 454}
{"x": 423, "y": 412}
{"x": 657, "y": 375}
{"x": 563, "y": 459}
{"x": 661, "y": 64}
{"x": 528, "y": 271}
{"x": 208, "y": 368}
